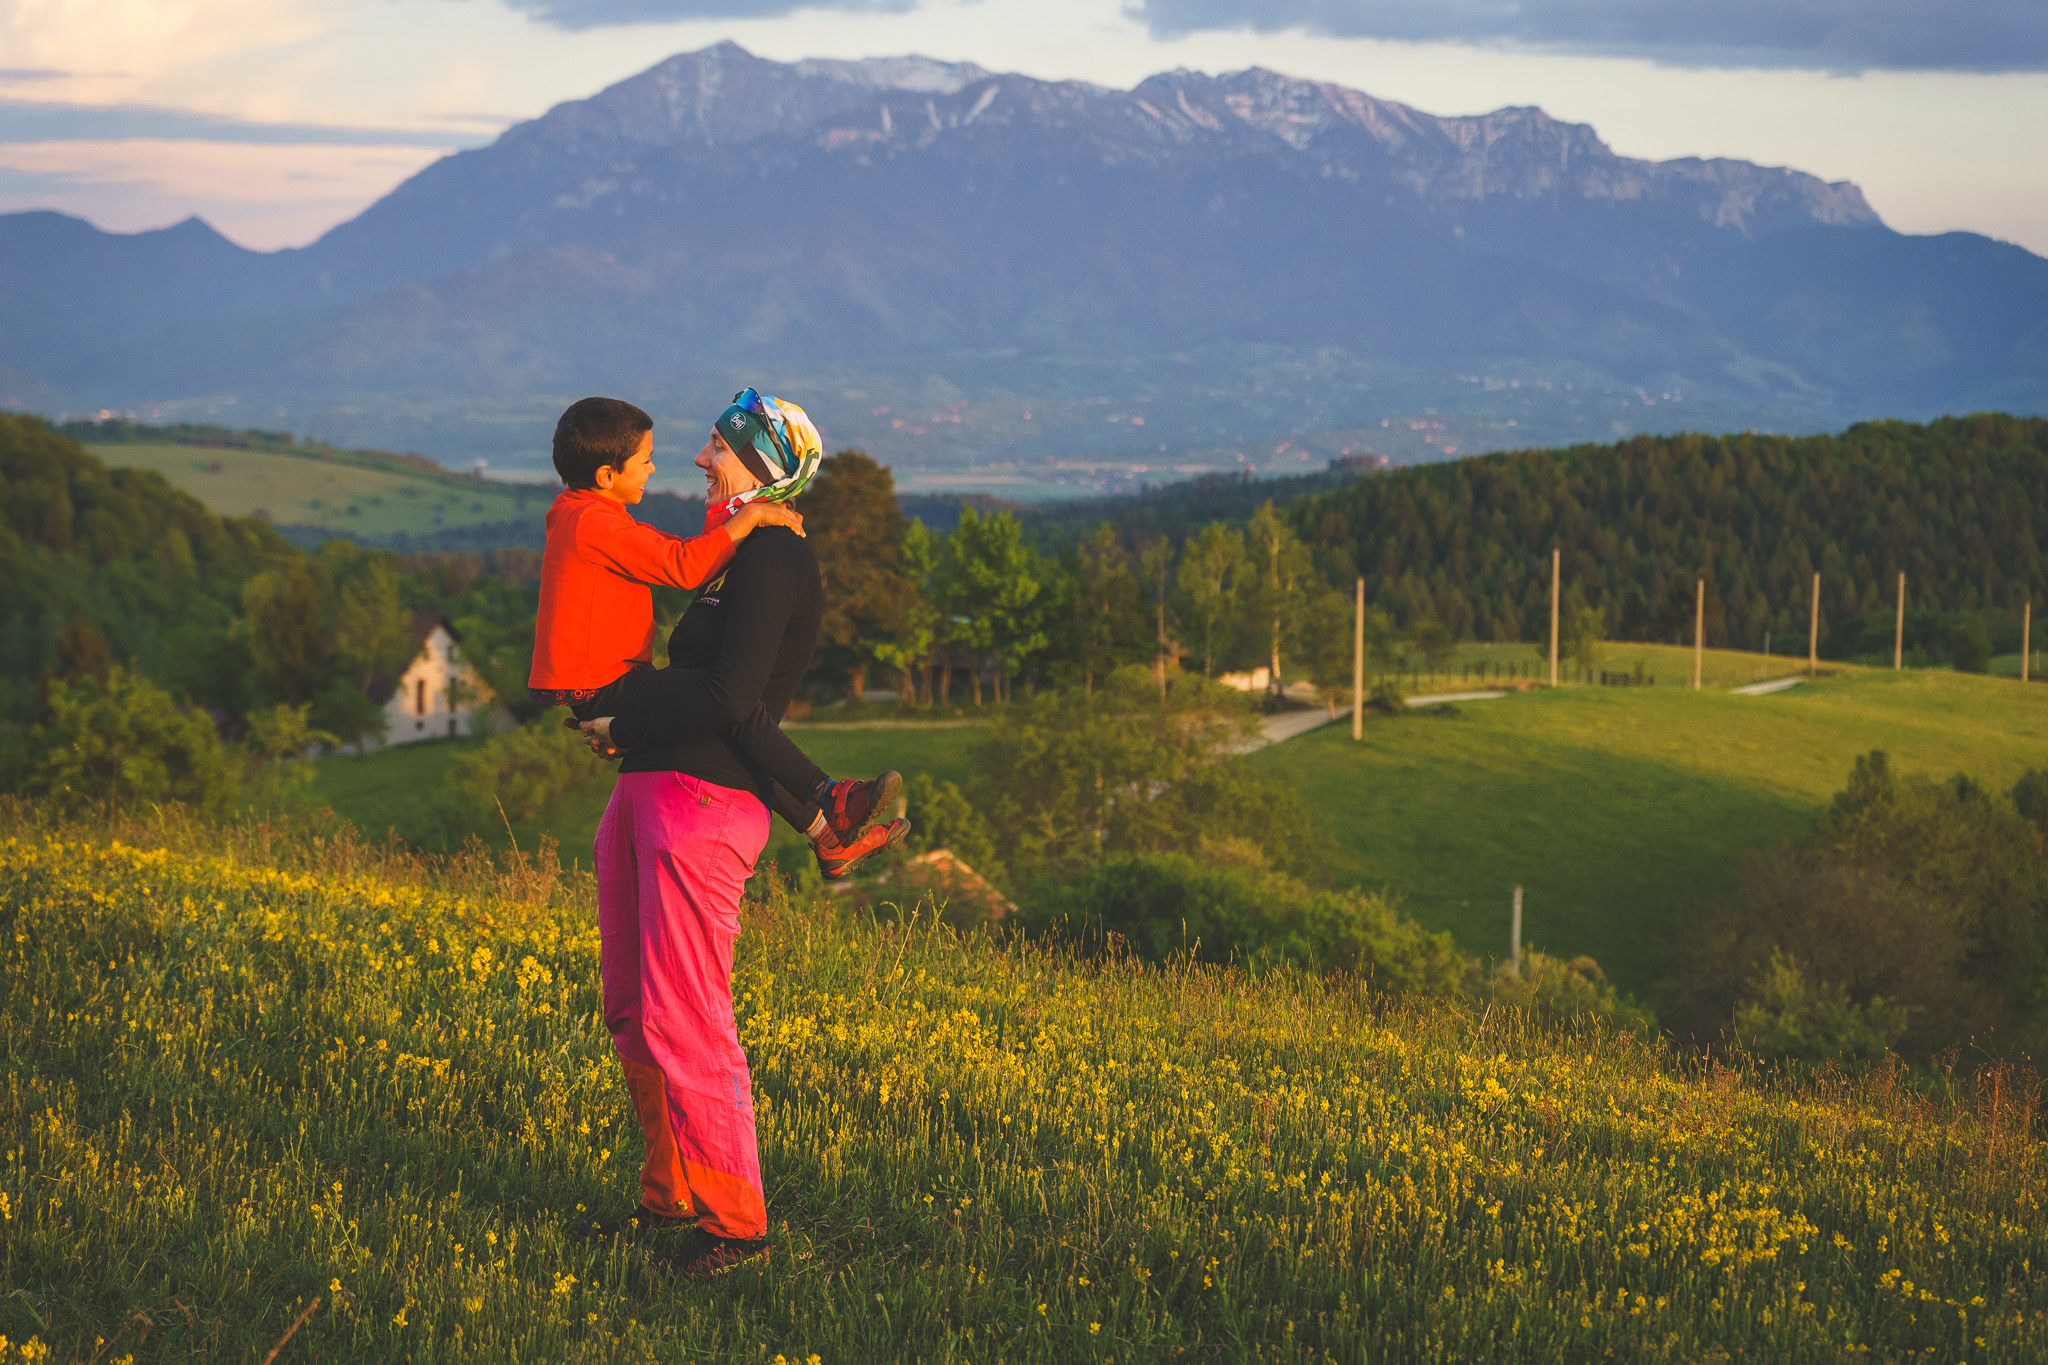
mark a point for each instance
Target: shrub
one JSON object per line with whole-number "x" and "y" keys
{"x": 1916, "y": 908}
{"x": 522, "y": 773}
{"x": 1552, "y": 988}
{"x": 1165, "y": 903}
{"x": 941, "y": 816}
{"x": 1789, "y": 1016}
{"x": 124, "y": 741}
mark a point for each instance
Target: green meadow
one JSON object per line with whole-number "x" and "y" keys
{"x": 304, "y": 490}
{"x": 274, "y": 1095}
{"x": 1620, "y": 811}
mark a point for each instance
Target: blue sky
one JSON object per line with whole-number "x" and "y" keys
{"x": 276, "y": 119}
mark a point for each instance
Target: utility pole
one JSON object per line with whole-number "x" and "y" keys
{"x": 1515, "y": 936}
{"x": 2026, "y": 638}
{"x": 1553, "y": 616}
{"x": 1358, "y": 665}
{"x": 1899, "y": 637}
{"x": 1813, "y": 633}
{"x": 1699, "y": 633}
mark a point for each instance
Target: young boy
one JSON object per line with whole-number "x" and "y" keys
{"x": 593, "y": 641}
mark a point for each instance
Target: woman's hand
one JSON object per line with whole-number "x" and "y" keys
{"x": 599, "y": 733}
{"x": 758, "y": 514}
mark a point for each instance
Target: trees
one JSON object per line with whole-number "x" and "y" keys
{"x": 909, "y": 650}
{"x": 288, "y": 613}
{"x": 137, "y": 557}
{"x": 1327, "y": 635}
{"x": 1212, "y": 567}
{"x": 1069, "y": 784}
{"x": 994, "y": 583}
{"x": 372, "y": 627}
{"x": 1953, "y": 503}
{"x": 1915, "y": 916}
{"x": 123, "y": 740}
{"x": 1103, "y": 616}
{"x": 856, "y": 530}
{"x": 1434, "y": 643}
{"x": 1579, "y": 637}
{"x": 1386, "y": 648}
{"x": 1278, "y": 572}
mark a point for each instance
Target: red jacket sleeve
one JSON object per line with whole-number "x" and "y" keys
{"x": 645, "y": 555}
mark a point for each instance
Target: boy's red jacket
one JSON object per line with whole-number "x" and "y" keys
{"x": 596, "y": 614}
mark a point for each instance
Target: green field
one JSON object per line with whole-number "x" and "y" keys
{"x": 1619, "y": 810}
{"x": 394, "y": 788}
{"x": 304, "y": 490}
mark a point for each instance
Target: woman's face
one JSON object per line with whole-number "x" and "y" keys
{"x": 724, "y": 475}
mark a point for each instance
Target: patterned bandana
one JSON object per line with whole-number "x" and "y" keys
{"x": 777, "y": 442}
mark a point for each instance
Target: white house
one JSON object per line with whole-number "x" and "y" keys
{"x": 438, "y": 695}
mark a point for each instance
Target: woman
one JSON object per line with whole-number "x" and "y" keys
{"x": 687, "y": 819}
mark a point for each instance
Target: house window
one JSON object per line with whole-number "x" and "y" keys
{"x": 419, "y": 697}
{"x": 453, "y": 725}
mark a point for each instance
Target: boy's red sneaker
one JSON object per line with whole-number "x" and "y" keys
{"x": 837, "y": 860}
{"x": 851, "y": 805}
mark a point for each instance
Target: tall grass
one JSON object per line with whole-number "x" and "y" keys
{"x": 250, "y": 1068}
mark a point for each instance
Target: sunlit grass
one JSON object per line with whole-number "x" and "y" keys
{"x": 1621, "y": 810}
{"x": 245, "y": 1071}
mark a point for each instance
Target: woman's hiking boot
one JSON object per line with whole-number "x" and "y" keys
{"x": 705, "y": 1255}
{"x": 642, "y": 1222}
{"x": 837, "y": 861}
{"x": 851, "y": 805}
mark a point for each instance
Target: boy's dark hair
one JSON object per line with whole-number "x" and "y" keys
{"x": 595, "y": 432}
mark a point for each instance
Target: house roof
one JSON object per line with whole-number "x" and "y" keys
{"x": 423, "y": 623}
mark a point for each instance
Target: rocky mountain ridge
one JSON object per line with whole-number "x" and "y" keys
{"x": 908, "y": 222}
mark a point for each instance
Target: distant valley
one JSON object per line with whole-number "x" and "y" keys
{"x": 1039, "y": 288}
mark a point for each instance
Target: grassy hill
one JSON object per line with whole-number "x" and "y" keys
{"x": 260, "y": 1080}
{"x": 1618, "y": 810}
{"x": 305, "y": 490}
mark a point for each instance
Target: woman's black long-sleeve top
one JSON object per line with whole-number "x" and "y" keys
{"x": 751, "y": 633}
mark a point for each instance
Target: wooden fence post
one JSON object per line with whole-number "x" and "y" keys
{"x": 1813, "y": 633}
{"x": 2026, "y": 639}
{"x": 1553, "y": 616}
{"x": 1899, "y": 637}
{"x": 1358, "y": 666}
{"x": 1699, "y": 633}
{"x": 1515, "y": 936}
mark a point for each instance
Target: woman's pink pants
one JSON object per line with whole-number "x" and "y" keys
{"x": 673, "y": 855}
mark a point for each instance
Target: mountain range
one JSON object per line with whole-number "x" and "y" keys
{"x": 950, "y": 265}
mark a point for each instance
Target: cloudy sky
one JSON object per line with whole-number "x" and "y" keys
{"x": 276, "y": 119}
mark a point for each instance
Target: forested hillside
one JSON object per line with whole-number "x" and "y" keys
{"x": 116, "y": 566}
{"x": 120, "y": 548}
{"x": 1959, "y": 505}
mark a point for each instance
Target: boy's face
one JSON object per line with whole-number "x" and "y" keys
{"x": 629, "y": 485}
{"x": 724, "y": 475}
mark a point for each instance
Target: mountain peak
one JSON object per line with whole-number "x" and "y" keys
{"x": 723, "y": 94}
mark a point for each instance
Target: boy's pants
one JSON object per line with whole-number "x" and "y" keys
{"x": 673, "y": 856}
{"x": 796, "y": 778}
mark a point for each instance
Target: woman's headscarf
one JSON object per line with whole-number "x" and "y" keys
{"x": 776, "y": 440}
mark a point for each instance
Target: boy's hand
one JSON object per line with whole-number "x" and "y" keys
{"x": 758, "y": 514}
